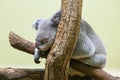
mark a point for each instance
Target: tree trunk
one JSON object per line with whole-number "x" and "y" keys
{"x": 65, "y": 41}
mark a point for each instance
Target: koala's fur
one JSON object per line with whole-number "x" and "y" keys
{"x": 89, "y": 48}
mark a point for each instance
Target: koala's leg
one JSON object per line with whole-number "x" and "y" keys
{"x": 97, "y": 60}
{"x": 36, "y": 55}
{"x": 84, "y": 47}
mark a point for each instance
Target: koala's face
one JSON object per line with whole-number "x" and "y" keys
{"x": 45, "y": 34}
{"x": 46, "y": 31}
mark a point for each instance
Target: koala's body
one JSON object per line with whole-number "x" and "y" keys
{"x": 89, "y": 48}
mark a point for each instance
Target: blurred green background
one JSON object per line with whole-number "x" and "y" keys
{"x": 18, "y": 15}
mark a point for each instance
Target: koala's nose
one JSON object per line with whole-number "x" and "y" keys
{"x": 37, "y": 43}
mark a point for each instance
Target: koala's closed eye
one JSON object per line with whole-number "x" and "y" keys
{"x": 44, "y": 41}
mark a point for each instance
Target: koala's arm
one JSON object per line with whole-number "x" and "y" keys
{"x": 36, "y": 55}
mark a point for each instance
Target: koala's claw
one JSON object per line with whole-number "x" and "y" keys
{"x": 37, "y": 61}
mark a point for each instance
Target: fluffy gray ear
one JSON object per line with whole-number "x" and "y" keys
{"x": 55, "y": 19}
{"x": 36, "y": 23}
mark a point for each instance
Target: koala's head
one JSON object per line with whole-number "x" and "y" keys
{"x": 46, "y": 31}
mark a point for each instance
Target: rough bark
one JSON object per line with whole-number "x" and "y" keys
{"x": 95, "y": 73}
{"x": 21, "y": 74}
{"x": 19, "y": 43}
{"x": 28, "y": 74}
{"x": 65, "y": 41}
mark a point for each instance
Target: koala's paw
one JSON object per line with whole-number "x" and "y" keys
{"x": 36, "y": 56}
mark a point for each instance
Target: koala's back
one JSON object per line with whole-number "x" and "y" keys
{"x": 87, "y": 30}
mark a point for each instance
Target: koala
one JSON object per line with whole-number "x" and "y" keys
{"x": 89, "y": 49}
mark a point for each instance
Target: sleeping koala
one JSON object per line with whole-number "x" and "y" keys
{"x": 89, "y": 48}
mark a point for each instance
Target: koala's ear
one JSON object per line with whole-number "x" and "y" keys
{"x": 55, "y": 19}
{"x": 36, "y": 23}
{"x": 34, "y": 26}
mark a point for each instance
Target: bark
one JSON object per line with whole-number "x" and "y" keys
{"x": 95, "y": 73}
{"x": 21, "y": 74}
{"x": 98, "y": 74}
{"x": 65, "y": 41}
{"x": 28, "y": 74}
{"x": 19, "y": 43}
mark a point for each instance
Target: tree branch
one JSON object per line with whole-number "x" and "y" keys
{"x": 21, "y": 44}
{"x": 24, "y": 45}
{"x": 21, "y": 74}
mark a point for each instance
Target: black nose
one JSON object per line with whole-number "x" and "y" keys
{"x": 37, "y": 43}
